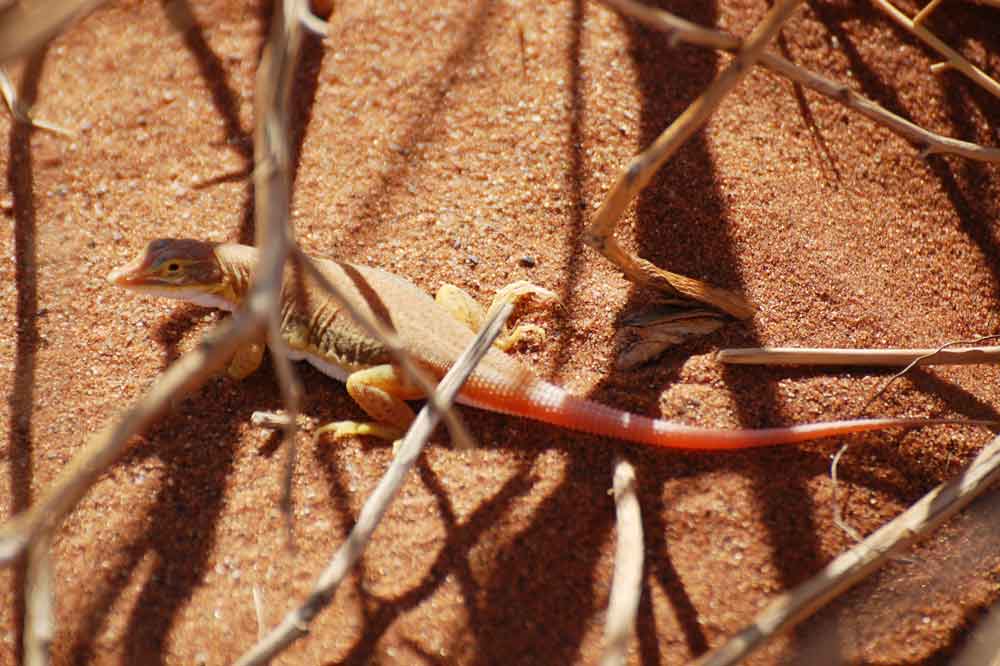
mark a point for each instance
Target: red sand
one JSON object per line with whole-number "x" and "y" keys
{"x": 447, "y": 142}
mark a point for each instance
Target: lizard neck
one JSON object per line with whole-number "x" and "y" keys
{"x": 236, "y": 263}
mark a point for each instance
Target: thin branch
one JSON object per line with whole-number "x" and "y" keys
{"x": 926, "y": 11}
{"x": 930, "y": 143}
{"x": 917, "y": 361}
{"x": 919, "y": 521}
{"x": 272, "y": 198}
{"x": 272, "y": 180}
{"x": 40, "y": 620}
{"x": 24, "y": 26}
{"x": 315, "y": 24}
{"x": 22, "y": 113}
{"x": 601, "y": 232}
{"x": 185, "y": 376}
{"x": 258, "y": 610}
{"x": 191, "y": 370}
{"x": 296, "y": 623}
{"x": 626, "y": 584}
{"x": 871, "y": 357}
{"x": 838, "y": 514}
{"x": 953, "y": 57}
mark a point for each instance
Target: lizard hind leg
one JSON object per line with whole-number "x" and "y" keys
{"x": 381, "y": 392}
{"x": 466, "y": 310}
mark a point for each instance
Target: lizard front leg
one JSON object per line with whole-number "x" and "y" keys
{"x": 245, "y": 360}
{"x": 381, "y": 391}
{"x": 465, "y": 309}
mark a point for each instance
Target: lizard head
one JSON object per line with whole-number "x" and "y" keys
{"x": 180, "y": 268}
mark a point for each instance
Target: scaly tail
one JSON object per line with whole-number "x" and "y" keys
{"x": 551, "y": 404}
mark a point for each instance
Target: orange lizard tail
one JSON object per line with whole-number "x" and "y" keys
{"x": 551, "y": 404}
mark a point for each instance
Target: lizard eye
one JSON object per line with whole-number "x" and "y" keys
{"x": 173, "y": 267}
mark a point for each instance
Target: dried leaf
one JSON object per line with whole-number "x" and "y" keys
{"x": 647, "y": 334}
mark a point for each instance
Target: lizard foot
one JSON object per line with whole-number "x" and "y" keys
{"x": 465, "y": 309}
{"x": 516, "y": 292}
{"x": 344, "y": 429}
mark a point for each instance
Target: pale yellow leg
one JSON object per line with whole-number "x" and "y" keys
{"x": 246, "y": 360}
{"x": 381, "y": 391}
{"x": 461, "y": 306}
{"x": 466, "y": 310}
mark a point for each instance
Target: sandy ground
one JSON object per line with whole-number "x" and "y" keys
{"x": 448, "y": 141}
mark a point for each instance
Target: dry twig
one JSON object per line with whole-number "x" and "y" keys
{"x": 258, "y": 611}
{"x": 273, "y": 195}
{"x": 953, "y": 58}
{"x": 40, "y": 620}
{"x": 296, "y": 623}
{"x": 24, "y": 26}
{"x": 928, "y": 142}
{"x": 626, "y": 585}
{"x": 920, "y": 520}
{"x": 600, "y": 233}
{"x": 21, "y": 112}
{"x": 926, "y": 11}
{"x": 917, "y": 361}
{"x": 838, "y": 513}
{"x": 310, "y": 21}
{"x": 879, "y": 357}
{"x": 872, "y": 357}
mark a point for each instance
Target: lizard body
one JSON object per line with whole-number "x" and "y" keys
{"x": 434, "y": 332}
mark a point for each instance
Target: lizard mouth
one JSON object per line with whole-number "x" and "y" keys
{"x": 125, "y": 276}
{"x": 135, "y": 275}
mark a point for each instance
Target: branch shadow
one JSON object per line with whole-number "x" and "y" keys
{"x": 537, "y": 600}
{"x": 422, "y": 129}
{"x": 196, "y": 448}
{"x": 189, "y": 500}
{"x": 964, "y": 187}
{"x": 669, "y": 79}
{"x": 451, "y": 560}
{"x": 226, "y": 100}
{"x": 170, "y": 331}
{"x": 21, "y": 395}
{"x": 692, "y": 240}
{"x": 540, "y": 596}
{"x": 892, "y": 601}
{"x": 661, "y": 570}
{"x": 805, "y": 110}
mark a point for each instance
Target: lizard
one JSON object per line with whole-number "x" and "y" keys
{"x": 434, "y": 331}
